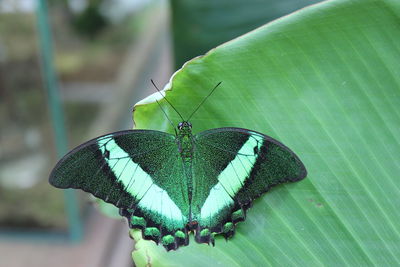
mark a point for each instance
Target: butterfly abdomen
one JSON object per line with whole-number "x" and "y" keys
{"x": 186, "y": 150}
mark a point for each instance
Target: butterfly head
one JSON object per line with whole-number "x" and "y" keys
{"x": 184, "y": 125}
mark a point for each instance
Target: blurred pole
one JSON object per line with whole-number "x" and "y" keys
{"x": 56, "y": 113}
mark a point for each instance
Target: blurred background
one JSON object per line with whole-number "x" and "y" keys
{"x": 71, "y": 70}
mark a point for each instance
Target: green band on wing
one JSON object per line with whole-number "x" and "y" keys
{"x": 231, "y": 179}
{"x": 138, "y": 183}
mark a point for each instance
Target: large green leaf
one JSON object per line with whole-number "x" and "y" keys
{"x": 198, "y": 26}
{"x": 326, "y": 82}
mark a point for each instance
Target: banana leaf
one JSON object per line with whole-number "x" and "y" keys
{"x": 325, "y": 81}
{"x": 198, "y": 26}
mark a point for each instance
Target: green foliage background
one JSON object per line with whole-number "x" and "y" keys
{"x": 326, "y": 82}
{"x": 199, "y": 26}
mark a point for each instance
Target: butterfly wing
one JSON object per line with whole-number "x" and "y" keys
{"x": 140, "y": 172}
{"x": 232, "y": 167}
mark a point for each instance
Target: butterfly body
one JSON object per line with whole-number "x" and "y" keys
{"x": 171, "y": 185}
{"x": 185, "y": 144}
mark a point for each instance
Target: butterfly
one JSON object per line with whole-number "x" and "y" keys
{"x": 169, "y": 185}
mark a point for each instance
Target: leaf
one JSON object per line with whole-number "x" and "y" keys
{"x": 326, "y": 82}
{"x": 198, "y": 26}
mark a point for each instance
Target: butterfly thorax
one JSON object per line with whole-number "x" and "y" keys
{"x": 185, "y": 141}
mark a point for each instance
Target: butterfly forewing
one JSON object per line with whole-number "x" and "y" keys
{"x": 140, "y": 172}
{"x": 232, "y": 167}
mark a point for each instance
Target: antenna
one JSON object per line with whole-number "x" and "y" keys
{"x": 158, "y": 90}
{"x": 204, "y": 100}
{"x": 165, "y": 114}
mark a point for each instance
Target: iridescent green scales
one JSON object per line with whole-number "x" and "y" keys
{"x": 171, "y": 185}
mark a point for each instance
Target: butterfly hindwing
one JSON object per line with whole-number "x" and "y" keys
{"x": 140, "y": 172}
{"x": 232, "y": 167}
